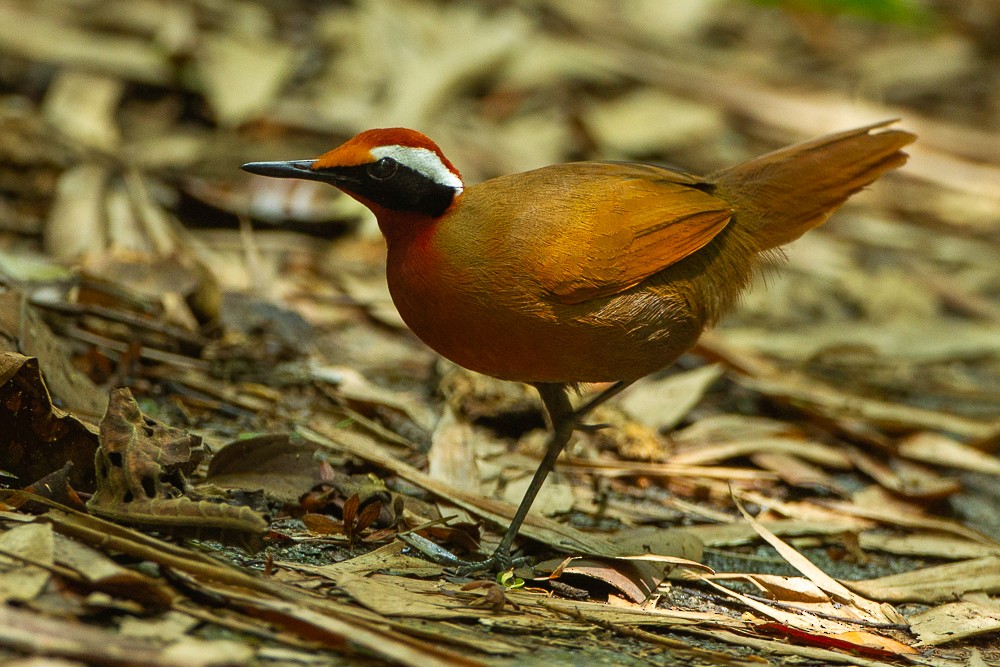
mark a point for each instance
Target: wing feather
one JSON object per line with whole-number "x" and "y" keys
{"x": 616, "y": 225}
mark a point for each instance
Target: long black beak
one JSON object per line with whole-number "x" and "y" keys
{"x": 289, "y": 169}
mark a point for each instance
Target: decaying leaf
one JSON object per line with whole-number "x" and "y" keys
{"x": 40, "y": 437}
{"x": 956, "y": 621}
{"x": 281, "y": 466}
{"x": 141, "y": 468}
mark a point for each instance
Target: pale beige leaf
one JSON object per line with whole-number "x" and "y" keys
{"x": 956, "y": 621}
{"x": 866, "y": 609}
{"x": 169, "y": 626}
{"x": 906, "y": 479}
{"x": 925, "y": 544}
{"x": 452, "y": 457}
{"x": 882, "y": 507}
{"x": 819, "y": 453}
{"x": 650, "y": 121}
{"x": 83, "y": 105}
{"x": 76, "y": 221}
{"x": 790, "y": 589}
{"x": 21, "y": 581}
{"x": 939, "y": 583}
{"x": 243, "y": 74}
{"x": 940, "y": 450}
{"x": 36, "y": 36}
{"x": 737, "y": 534}
{"x": 794, "y": 471}
{"x": 661, "y": 404}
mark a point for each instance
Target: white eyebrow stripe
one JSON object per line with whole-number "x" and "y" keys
{"x": 423, "y": 161}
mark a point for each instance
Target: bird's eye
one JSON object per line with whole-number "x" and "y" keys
{"x": 383, "y": 169}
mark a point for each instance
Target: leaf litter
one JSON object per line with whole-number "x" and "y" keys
{"x": 851, "y": 407}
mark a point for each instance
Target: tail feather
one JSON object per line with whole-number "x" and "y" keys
{"x": 784, "y": 194}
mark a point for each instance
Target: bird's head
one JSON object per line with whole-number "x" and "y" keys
{"x": 393, "y": 171}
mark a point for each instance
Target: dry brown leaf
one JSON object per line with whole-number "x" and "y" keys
{"x": 665, "y": 546}
{"x": 904, "y": 515}
{"x": 451, "y": 458}
{"x": 956, "y": 621}
{"x": 353, "y": 386}
{"x": 22, "y": 323}
{"x": 43, "y": 635}
{"x": 796, "y": 472}
{"x": 141, "y": 480}
{"x": 939, "y": 583}
{"x": 83, "y": 105}
{"x": 819, "y": 453}
{"x": 48, "y": 437}
{"x": 858, "y": 606}
{"x": 283, "y": 467}
{"x": 76, "y": 220}
{"x": 623, "y": 468}
{"x": 661, "y": 404}
{"x": 909, "y": 480}
{"x": 22, "y": 580}
{"x": 738, "y": 534}
{"x": 940, "y": 450}
{"x": 926, "y": 544}
{"x": 806, "y": 510}
{"x": 789, "y": 589}
{"x": 243, "y": 74}
{"x": 40, "y": 37}
{"x": 402, "y": 596}
{"x": 388, "y": 558}
{"x": 390, "y": 69}
{"x": 649, "y": 121}
{"x": 170, "y": 626}
{"x": 633, "y": 582}
{"x": 808, "y": 626}
{"x": 336, "y": 624}
{"x": 895, "y": 341}
{"x": 735, "y": 427}
{"x": 103, "y": 574}
{"x": 557, "y": 496}
{"x": 832, "y": 403}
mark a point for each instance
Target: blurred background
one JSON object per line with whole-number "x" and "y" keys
{"x": 123, "y": 124}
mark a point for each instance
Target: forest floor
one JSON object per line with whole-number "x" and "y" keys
{"x": 222, "y": 446}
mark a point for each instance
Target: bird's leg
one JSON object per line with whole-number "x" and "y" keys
{"x": 563, "y": 420}
{"x": 600, "y": 399}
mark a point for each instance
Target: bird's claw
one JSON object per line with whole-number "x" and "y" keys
{"x": 496, "y": 563}
{"x": 592, "y": 428}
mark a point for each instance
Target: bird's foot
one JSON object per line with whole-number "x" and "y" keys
{"x": 497, "y": 562}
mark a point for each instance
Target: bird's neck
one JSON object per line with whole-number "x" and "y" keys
{"x": 407, "y": 232}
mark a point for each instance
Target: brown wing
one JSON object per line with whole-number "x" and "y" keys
{"x": 611, "y": 226}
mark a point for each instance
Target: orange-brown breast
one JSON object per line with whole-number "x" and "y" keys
{"x": 560, "y": 274}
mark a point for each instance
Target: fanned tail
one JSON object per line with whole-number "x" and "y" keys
{"x": 786, "y": 193}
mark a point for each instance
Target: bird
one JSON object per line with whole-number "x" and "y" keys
{"x": 583, "y": 272}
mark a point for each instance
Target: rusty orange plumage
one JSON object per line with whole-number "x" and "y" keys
{"x": 587, "y": 271}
